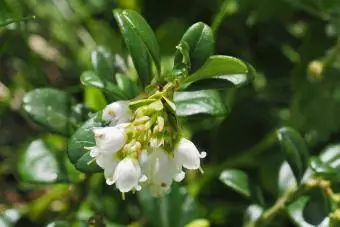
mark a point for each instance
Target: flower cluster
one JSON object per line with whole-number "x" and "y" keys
{"x": 140, "y": 147}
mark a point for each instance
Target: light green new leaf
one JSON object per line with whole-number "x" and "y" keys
{"x": 199, "y": 102}
{"x": 82, "y": 139}
{"x": 219, "y": 67}
{"x": 295, "y": 149}
{"x": 140, "y": 41}
{"x": 49, "y": 107}
{"x": 37, "y": 164}
{"x": 200, "y": 41}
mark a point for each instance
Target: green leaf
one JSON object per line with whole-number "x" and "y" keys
{"x": 90, "y": 79}
{"x": 331, "y": 155}
{"x": 8, "y": 17}
{"x": 206, "y": 102}
{"x": 58, "y": 224}
{"x": 37, "y": 164}
{"x": 94, "y": 98}
{"x": 252, "y": 214}
{"x": 140, "y": 41}
{"x": 295, "y": 149}
{"x": 237, "y": 180}
{"x": 103, "y": 64}
{"x": 161, "y": 211}
{"x": 200, "y": 41}
{"x": 286, "y": 179}
{"x": 81, "y": 139}
{"x": 49, "y": 107}
{"x": 127, "y": 85}
{"x": 221, "y": 67}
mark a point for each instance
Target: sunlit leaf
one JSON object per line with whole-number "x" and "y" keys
{"x": 206, "y": 102}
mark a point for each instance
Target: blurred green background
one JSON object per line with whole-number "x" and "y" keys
{"x": 293, "y": 44}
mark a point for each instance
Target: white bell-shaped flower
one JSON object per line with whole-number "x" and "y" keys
{"x": 117, "y": 113}
{"x": 109, "y": 139}
{"x": 187, "y": 155}
{"x": 160, "y": 170}
{"x": 127, "y": 175}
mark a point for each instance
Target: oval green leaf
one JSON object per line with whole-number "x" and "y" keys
{"x": 49, "y": 107}
{"x": 200, "y": 41}
{"x": 90, "y": 79}
{"x": 236, "y": 180}
{"x": 82, "y": 139}
{"x": 207, "y": 102}
{"x": 286, "y": 179}
{"x": 37, "y": 164}
{"x": 140, "y": 41}
{"x": 221, "y": 67}
{"x": 295, "y": 150}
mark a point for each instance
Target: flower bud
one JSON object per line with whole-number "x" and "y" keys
{"x": 117, "y": 113}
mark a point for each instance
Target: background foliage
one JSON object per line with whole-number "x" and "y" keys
{"x": 294, "y": 46}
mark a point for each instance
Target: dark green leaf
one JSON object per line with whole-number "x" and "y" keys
{"x": 237, "y": 180}
{"x": 160, "y": 211}
{"x": 103, "y": 64}
{"x": 295, "y": 149}
{"x": 49, "y": 107}
{"x": 224, "y": 68}
{"x": 81, "y": 139}
{"x": 199, "y": 102}
{"x": 317, "y": 207}
{"x": 127, "y": 86}
{"x": 90, "y": 79}
{"x": 200, "y": 41}
{"x": 7, "y": 16}
{"x": 140, "y": 41}
{"x": 37, "y": 164}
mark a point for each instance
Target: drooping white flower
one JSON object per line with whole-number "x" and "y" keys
{"x": 117, "y": 113}
{"x": 127, "y": 175}
{"x": 160, "y": 169}
{"x": 109, "y": 139}
{"x": 187, "y": 155}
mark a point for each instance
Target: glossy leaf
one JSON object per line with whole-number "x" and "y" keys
{"x": 160, "y": 211}
{"x": 221, "y": 67}
{"x": 252, "y": 214}
{"x": 9, "y": 217}
{"x": 140, "y": 41}
{"x": 286, "y": 179}
{"x": 127, "y": 86}
{"x": 90, "y": 79}
{"x": 49, "y": 107}
{"x": 237, "y": 180}
{"x": 81, "y": 139}
{"x": 206, "y": 102}
{"x": 295, "y": 149}
{"x": 37, "y": 164}
{"x": 331, "y": 155}
{"x": 103, "y": 64}
{"x": 58, "y": 224}
{"x": 200, "y": 41}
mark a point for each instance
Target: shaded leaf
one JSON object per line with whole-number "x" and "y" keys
{"x": 295, "y": 149}
{"x": 160, "y": 211}
{"x": 37, "y": 164}
{"x": 199, "y": 102}
{"x": 199, "y": 40}
{"x": 103, "y": 64}
{"x": 49, "y": 107}
{"x": 237, "y": 180}
{"x": 81, "y": 139}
